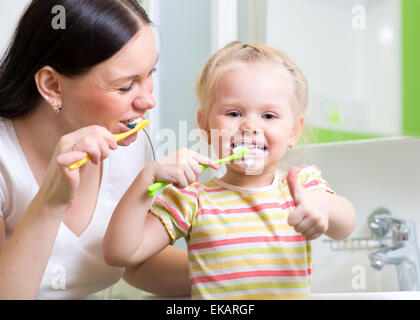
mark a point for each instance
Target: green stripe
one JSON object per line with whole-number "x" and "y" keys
{"x": 238, "y": 252}
{"x": 410, "y": 12}
{"x": 249, "y": 286}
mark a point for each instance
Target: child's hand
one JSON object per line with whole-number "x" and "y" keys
{"x": 310, "y": 217}
{"x": 180, "y": 168}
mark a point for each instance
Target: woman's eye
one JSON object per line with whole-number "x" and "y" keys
{"x": 153, "y": 71}
{"x": 233, "y": 114}
{"x": 127, "y": 89}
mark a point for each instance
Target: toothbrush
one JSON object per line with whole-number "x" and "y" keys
{"x": 135, "y": 125}
{"x": 153, "y": 188}
{"x": 248, "y": 161}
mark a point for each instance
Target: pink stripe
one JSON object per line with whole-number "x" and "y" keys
{"x": 214, "y": 190}
{"x": 251, "y": 274}
{"x": 175, "y": 215}
{"x": 311, "y": 183}
{"x": 226, "y": 242}
{"x": 188, "y": 193}
{"x": 315, "y": 183}
{"x": 317, "y": 168}
{"x": 273, "y": 205}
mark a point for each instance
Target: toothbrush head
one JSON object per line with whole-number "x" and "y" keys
{"x": 240, "y": 152}
{"x": 134, "y": 122}
{"x": 248, "y": 161}
{"x": 139, "y": 124}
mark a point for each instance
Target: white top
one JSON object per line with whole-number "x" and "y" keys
{"x": 76, "y": 267}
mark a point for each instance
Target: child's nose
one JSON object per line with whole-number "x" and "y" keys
{"x": 250, "y": 125}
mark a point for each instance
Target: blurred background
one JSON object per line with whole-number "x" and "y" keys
{"x": 360, "y": 57}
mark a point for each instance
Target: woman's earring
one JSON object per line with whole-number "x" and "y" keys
{"x": 56, "y": 107}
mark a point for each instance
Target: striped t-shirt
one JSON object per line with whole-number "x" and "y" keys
{"x": 239, "y": 243}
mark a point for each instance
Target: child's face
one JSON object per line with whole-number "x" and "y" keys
{"x": 253, "y": 108}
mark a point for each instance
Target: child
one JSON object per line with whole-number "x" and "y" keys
{"x": 248, "y": 234}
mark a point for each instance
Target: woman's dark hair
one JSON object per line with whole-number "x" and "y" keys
{"x": 94, "y": 31}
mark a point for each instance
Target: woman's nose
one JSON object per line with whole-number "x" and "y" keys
{"x": 145, "y": 100}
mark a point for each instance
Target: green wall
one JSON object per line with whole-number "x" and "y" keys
{"x": 411, "y": 66}
{"x": 410, "y": 75}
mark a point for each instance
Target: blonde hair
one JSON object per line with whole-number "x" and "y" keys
{"x": 238, "y": 52}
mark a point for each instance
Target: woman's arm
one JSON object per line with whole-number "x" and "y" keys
{"x": 133, "y": 235}
{"x": 25, "y": 256}
{"x": 165, "y": 274}
{"x": 140, "y": 241}
{"x": 2, "y": 233}
{"x": 24, "y": 259}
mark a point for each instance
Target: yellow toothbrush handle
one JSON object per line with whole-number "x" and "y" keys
{"x": 79, "y": 163}
{"x": 141, "y": 125}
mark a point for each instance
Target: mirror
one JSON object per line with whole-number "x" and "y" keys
{"x": 359, "y": 57}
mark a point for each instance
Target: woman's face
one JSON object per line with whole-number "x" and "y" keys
{"x": 114, "y": 91}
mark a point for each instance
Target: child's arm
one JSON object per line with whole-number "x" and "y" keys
{"x": 319, "y": 212}
{"x": 133, "y": 235}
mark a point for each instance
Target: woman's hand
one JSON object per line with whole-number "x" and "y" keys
{"x": 180, "y": 168}
{"x": 60, "y": 184}
{"x": 311, "y": 215}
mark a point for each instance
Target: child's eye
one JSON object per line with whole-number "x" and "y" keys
{"x": 269, "y": 116}
{"x": 233, "y": 114}
{"x": 127, "y": 89}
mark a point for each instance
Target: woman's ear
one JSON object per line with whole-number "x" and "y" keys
{"x": 49, "y": 87}
{"x": 202, "y": 123}
{"x": 297, "y": 131}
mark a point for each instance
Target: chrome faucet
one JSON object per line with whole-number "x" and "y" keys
{"x": 400, "y": 250}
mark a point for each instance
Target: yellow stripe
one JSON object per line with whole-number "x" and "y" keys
{"x": 226, "y": 219}
{"x": 252, "y": 286}
{"x": 229, "y": 253}
{"x": 181, "y": 201}
{"x": 250, "y": 262}
{"x": 268, "y": 228}
{"x": 246, "y": 200}
{"x": 210, "y": 185}
{"x": 268, "y": 296}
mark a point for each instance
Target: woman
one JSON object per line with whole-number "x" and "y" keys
{"x": 63, "y": 94}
